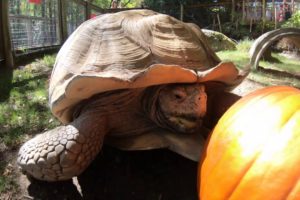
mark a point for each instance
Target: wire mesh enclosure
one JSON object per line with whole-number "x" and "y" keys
{"x": 76, "y": 14}
{"x": 36, "y": 24}
{"x": 33, "y": 24}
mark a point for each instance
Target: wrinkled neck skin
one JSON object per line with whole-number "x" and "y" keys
{"x": 151, "y": 108}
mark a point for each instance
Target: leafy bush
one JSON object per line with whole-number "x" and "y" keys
{"x": 294, "y": 21}
{"x": 230, "y": 30}
{"x": 244, "y": 45}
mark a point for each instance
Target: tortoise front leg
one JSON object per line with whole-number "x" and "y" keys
{"x": 61, "y": 153}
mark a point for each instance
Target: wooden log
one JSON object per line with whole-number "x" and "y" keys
{"x": 233, "y": 11}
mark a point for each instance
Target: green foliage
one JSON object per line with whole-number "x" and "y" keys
{"x": 124, "y": 3}
{"x": 244, "y": 45}
{"x": 235, "y": 31}
{"x": 294, "y": 21}
{"x": 239, "y": 31}
{"x": 102, "y": 3}
{"x": 7, "y": 182}
{"x": 163, "y": 6}
{"x": 131, "y": 4}
{"x": 262, "y": 27}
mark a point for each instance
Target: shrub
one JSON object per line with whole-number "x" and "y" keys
{"x": 294, "y": 21}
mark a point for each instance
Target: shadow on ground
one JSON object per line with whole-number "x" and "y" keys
{"x": 134, "y": 175}
{"x": 5, "y": 83}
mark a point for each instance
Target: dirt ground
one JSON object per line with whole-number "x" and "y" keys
{"x": 136, "y": 175}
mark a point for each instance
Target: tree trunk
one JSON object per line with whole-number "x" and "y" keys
{"x": 232, "y": 10}
{"x": 5, "y": 40}
{"x": 6, "y": 56}
{"x": 263, "y": 14}
{"x": 244, "y": 14}
{"x": 62, "y": 11}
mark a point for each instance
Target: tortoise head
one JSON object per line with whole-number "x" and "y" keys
{"x": 183, "y": 105}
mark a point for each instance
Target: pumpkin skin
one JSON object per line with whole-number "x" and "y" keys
{"x": 254, "y": 150}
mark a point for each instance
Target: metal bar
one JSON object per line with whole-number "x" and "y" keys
{"x": 28, "y": 17}
{"x": 87, "y": 10}
{"x": 181, "y": 12}
{"x": 208, "y": 4}
{"x": 62, "y": 20}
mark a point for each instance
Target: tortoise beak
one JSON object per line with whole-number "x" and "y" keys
{"x": 186, "y": 124}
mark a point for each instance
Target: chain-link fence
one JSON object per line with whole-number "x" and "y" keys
{"x": 36, "y": 24}
{"x": 76, "y": 14}
{"x": 33, "y": 24}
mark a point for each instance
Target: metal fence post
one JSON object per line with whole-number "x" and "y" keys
{"x": 181, "y": 12}
{"x": 87, "y": 10}
{"x": 62, "y": 20}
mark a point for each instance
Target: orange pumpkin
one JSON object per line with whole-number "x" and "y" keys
{"x": 254, "y": 150}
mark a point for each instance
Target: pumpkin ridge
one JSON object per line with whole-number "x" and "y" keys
{"x": 292, "y": 113}
{"x": 297, "y": 180}
{"x": 242, "y": 175}
{"x": 238, "y": 177}
{"x": 293, "y": 186}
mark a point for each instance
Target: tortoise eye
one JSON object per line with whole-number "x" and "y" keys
{"x": 178, "y": 97}
{"x": 179, "y": 94}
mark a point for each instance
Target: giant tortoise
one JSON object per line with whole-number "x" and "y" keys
{"x": 136, "y": 80}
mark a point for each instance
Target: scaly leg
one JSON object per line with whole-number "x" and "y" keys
{"x": 63, "y": 152}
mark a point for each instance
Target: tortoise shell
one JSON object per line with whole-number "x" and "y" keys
{"x": 132, "y": 49}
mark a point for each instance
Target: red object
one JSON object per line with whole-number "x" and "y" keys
{"x": 92, "y": 16}
{"x": 35, "y": 1}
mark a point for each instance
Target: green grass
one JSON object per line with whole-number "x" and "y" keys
{"x": 26, "y": 110}
{"x": 241, "y": 58}
{"x": 7, "y": 183}
{"x": 244, "y": 45}
{"x": 282, "y": 63}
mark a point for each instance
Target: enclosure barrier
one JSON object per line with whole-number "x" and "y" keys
{"x": 262, "y": 43}
{"x": 37, "y": 26}
{"x": 6, "y": 55}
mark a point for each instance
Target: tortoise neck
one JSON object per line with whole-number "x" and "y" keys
{"x": 151, "y": 106}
